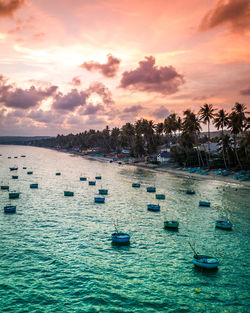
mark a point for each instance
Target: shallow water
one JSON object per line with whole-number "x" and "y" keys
{"x": 57, "y": 256}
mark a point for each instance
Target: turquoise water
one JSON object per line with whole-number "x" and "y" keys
{"x": 56, "y": 253}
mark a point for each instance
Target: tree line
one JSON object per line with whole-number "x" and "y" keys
{"x": 182, "y": 135}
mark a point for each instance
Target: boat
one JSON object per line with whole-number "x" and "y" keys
{"x": 171, "y": 224}
{"x": 160, "y": 196}
{"x": 154, "y": 207}
{"x": 103, "y": 191}
{"x": 205, "y": 261}
{"x": 10, "y": 209}
{"x": 204, "y": 203}
{"x": 136, "y": 185}
{"x": 9, "y": 157}
{"x": 99, "y": 199}
{"x": 30, "y": 173}
{"x": 190, "y": 192}
{"x": 58, "y": 173}
{"x": 120, "y": 238}
{"x": 33, "y": 186}
{"x": 24, "y": 168}
{"x": 15, "y": 157}
{"x": 98, "y": 177}
{"x": 223, "y": 224}
{"x": 91, "y": 183}
{"x": 14, "y": 195}
{"x": 151, "y": 189}
{"x": 13, "y": 168}
{"x": 23, "y": 156}
{"x": 83, "y": 178}
{"x": 5, "y": 187}
{"x": 68, "y": 193}
{"x": 14, "y": 177}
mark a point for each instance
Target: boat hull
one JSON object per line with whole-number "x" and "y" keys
{"x": 206, "y": 262}
{"x": 4, "y": 187}
{"x": 204, "y": 203}
{"x": 103, "y": 191}
{"x": 160, "y": 197}
{"x": 151, "y": 189}
{"x": 190, "y": 192}
{"x": 91, "y": 183}
{"x": 223, "y": 225}
{"x": 120, "y": 238}
{"x": 171, "y": 224}
{"x": 134, "y": 185}
{"x": 33, "y": 186}
{"x": 99, "y": 200}
{"x": 9, "y": 209}
{"x": 153, "y": 207}
{"x": 83, "y": 178}
{"x": 14, "y": 195}
{"x": 68, "y": 193}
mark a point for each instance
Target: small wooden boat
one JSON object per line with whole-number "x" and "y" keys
{"x": 5, "y": 187}
{"x": 13, "y": 168}
{"x": 223, "y": 224}
{"x": 154, "y": 207}
{"x": 103, "y": 191}
{"x": 171, "y": 224}
{"x": 83, "y": 178}
{"x": 68, "y": 193}
{"x": 136, "y": 185}
{"x": 58, "y": 173}
{"x": 23, "y": 156}
{"x": 98, "y": 177}
{"x": 15, "y": 157}
{"x": 24, "y": 168}
{"x": 99, "y": 200}
{"x": 151, "y": 189}
{"x": 160, "y": 196}
{"x": 204, "y": 203}
{"x": 91, "y": 183}
{"x": 33, "y": 186}
{"x": 120, "y": 238}
{"x": 14, "y": 177}
{"x": 205, "y": 261}
{"x": 30, "y": 173}
{"x": 10, "y": 209}
{"x": 14, "y": 195}
{"x": 190, "y": 192}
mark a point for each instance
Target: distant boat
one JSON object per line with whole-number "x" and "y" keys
{"x": 15, "y": 157}
{"x": 136, "y": 185}
{"x": 91, "y": 183}
{"x": 151, "y": 189}
{"x": 13, "y": 168}
{"x": 98, "y": 177}
{"x": 204, "y": 261}
{"x": 83, "y": 178}
{"x": 14, "y": 195}
{"x": 58, "y": 173}
{"x": 23, "y": 156}
{"x": 160, "y": 196}
{"x": 30, "y": 173}
{"x": 103, "y": 191}
{"x": 4, "y": 187}
{"x": 10, "y": 209}
{"x": 223, "y": 224}
{"x": 9, "y": 157}
{"x": 120, "y": 238}
{"x": 14, "y": 177}
{"x": 33, "y": 186}
{"x": 68, "y": 193}
{"x": 24, "y": 168}
{"x": 190, "y": 192}
{"x": 99, "y": 199}
{"x": 154, "y": 207}
{"x": 171, "y": 224}
{"x": 204, "y": 203}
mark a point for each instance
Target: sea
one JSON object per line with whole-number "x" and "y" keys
{"x": 56, "y": 253}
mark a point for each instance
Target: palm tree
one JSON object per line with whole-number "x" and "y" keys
{"x": 235, "y": 125}
{"x": 206, "y": 115}
{"x": 221, "y": 120}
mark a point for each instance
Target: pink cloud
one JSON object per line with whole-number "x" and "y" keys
{"x": 7, "y": 8}
{"x": 75, "y": 81}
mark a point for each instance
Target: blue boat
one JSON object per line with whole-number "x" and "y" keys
{"x": 205, "y": 261}
{"x": 120, "y": 238}
{"x": 33, "y": 186}
{"x": 5, "y": 187}
{"x": 160, "y": 196}
{"x": 14, "y": 195}
{"x": 10, "y": 209}
{"x": 223, "y": 224}
{"x": 68, "y": 193}
{"x": 24, "y": 168}
{"x": 13, "y": 168}
{"x": 171, "y": 224}
{"x": 98, "y": 177}
{"x": 91, "y": 183}
{"x": 14, "y": 177}
{"x": 58, "y": 173}
{"x": 151, "y": 189}
{"x": 99, "y": 200}
{"x": 154, "y": 207}
{"x": 136, "y": 185}
{"x": 204, "y": 203}
{"x": 83, "y": 178}
{"x": 30, "y": 173}
{"x": 190, "y": 192}
{"x": 103, "y": 191}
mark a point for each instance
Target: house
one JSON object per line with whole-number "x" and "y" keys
{"x": 163, "y": 157}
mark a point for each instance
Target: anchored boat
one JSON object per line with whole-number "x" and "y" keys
{"x": 99, "y": 200}
{"x": 160, "y": 196}
{"x": 83, "y": 178}
{"x": 223, "y": 224}
{"x": 120, "y": 238}
{"x": 14, "y": 177}
{"x": 154, "y": 207}
{"x": 5, "y": 187}
{"x": 171, "y": 224}
{"x": 33, "y": 186}
{"x": 91, "y": 183}
{"x": 10, "y": 209}
{"x": 136, "y": 185}
{"x": 30, "y": 173}
{"x": 204, "y": 261}
{"x": 204, "y": 203}
{"x": 58, "y": 173}
{"x": 103, "y": 191}
{"x": 151, "y": 189}
{"x": 68, "y": 193}
{"x": 14, "y": 195}
{"x": 13, "y": 168}
{"x": 190, "y": 192}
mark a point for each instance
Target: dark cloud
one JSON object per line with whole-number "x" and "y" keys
{"x": 245, "y": 92}
{"x": 108, "y": 69}
{"x": 102, "y": 91}
{"x": 7, "y": 8}
{"x": 133, "y": 109}
{"x": 150, "y": 78}
{"x": 233, "y": 12}
{"x": 70, "y": 101}
{"x": 76, "y": 81}
{"x": 91, "y": 109}
{"x": 47, "y": 117}
{"x": 23, "y": 98}
{"x": 161, "y": 112}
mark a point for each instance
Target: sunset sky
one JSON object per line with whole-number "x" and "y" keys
{"x": 71, "y": 65}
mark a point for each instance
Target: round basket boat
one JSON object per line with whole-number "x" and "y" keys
{"x": 58, "y": 174}
{"x": 204, "y": 261}
{"x": 10, "y": 209}
{"x": 68, "y": 193}
{"x": 190, "y": 192}
{"x": 98, "y": 177}
{"x": 160, "y": 197}
{"x": 154, "y": 207}
{"x": 136, "y": 185}
{"x": 5, "y": 187}
{"x": 204, "y": 203}
{"x": 171, "y": 224}
{"x": 222, "y": 224}
{"x": 91, "y": 183}
{"x": 33, "y": 186}
{"x": 99, "y": 200}
{"x": 14, "y": 195}
{"x": 83, "y": 178}
{"x": 151, "y": 189}
{"x": 103, "y": 191}
{"x": 120, "y": 238}
{"x": 14, "y": 177}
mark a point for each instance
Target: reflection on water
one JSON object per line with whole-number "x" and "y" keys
{"x": 57, "y": 255}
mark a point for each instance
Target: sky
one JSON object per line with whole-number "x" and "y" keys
{"x": 67, "y": 66}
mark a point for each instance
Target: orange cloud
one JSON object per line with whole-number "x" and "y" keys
{"x": 7, "y": 8}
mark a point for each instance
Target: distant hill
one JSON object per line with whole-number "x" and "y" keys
{"x": 19, "y": 140}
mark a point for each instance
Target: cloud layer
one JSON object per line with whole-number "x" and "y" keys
{"x": 150, "y": 78}
{"x": 7, "y": 8}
